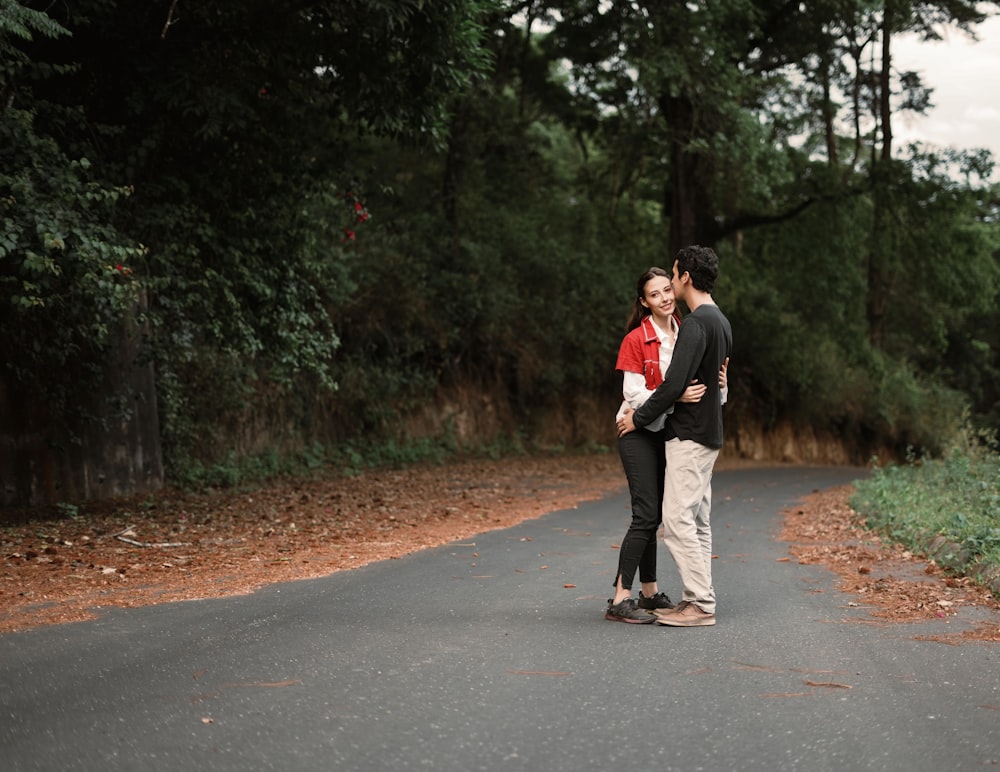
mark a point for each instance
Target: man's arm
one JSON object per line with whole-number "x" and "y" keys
{"x": 689, "y": 350}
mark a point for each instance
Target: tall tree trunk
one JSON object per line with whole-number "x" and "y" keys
{"x": 529, "y": 20}
{"x": 885, "y": 81}
{"x": 881, "y": 242}
{"x": 687, "y": 198}
{"x": 454, "y": 170}
{"x": 878, "y": 284}
{"x": 829, "y": 112}
{"x": 46, "y": 459}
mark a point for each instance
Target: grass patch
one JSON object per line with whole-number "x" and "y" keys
{"x": 952, "y": 503}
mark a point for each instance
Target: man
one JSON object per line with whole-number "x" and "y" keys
{"x": 694, "y": 434}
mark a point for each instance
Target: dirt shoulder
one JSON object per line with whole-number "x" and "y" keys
{"x": 891, "y": 582}
{"x": 179, "y": 546}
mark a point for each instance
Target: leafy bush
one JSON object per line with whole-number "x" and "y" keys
{"x": 68, "y": 288}
{"x": 956, "y": 497}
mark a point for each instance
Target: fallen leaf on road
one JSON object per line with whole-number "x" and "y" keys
{"x": 827, "y": 684}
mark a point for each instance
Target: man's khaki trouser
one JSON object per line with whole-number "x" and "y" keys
{"x": 687, "y": 506}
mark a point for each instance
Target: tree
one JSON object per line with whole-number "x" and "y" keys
{"x": 71, "y": 392}
{"x": 226, "y": 125}
{"x": 885, "y": 257}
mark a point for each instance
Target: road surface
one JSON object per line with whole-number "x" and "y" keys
{"x": 493, "y": 654}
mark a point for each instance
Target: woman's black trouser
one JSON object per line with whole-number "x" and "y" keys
{"x": 643, "y": 458}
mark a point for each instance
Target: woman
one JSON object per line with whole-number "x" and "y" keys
{"x": 643, "y": 358}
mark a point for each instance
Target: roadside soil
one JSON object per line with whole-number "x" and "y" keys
{"x": 174, "y": 545}
{"x": 885, "y": 578}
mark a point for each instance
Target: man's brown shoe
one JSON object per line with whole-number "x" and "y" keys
{"x": 664, "y": 612}
{"x": 686, "y": 614}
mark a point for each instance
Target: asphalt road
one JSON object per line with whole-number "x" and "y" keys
{"x": 477, "y": 656}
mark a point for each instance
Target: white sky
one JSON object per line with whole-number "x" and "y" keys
{"x": 965, "y": 77}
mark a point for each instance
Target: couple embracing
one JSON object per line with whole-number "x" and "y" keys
{"x": 670, "y": 434}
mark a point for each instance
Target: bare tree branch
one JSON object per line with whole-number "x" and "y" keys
{"x": 170, "y": 22}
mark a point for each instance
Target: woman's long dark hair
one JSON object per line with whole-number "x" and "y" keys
{"x": 638, "y": 309}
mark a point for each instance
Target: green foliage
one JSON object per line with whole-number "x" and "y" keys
{"x": 242, "y": 190}
{"x": 68, "y": 276}
{"x": 353, "y": 457}
{"x": 247, "y": 470}
{"x": 236, "y": 471}
{"x": 956, "y": 497}
{"x": 492, "y": 297}
{"x": 68, "y": 511}
{"x": 348, "y": 458}
{"x": 18, "y": 21}
{"x": 349, "y": 208}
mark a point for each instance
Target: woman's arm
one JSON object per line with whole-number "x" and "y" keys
{"x": 634, "y": 390}
{"x": 635, "y": 393}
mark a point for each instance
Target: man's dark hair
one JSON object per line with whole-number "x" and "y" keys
{"x": 703, "y": 265}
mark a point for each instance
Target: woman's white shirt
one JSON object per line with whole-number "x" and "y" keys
{"x": 634, "y": 391}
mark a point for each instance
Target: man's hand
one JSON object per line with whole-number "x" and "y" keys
{"x": 625, "y": 424}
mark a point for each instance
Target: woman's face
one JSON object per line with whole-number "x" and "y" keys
{"x": 658, "y": 297}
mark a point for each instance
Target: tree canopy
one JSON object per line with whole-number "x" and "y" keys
{"x": 321, "y": 216}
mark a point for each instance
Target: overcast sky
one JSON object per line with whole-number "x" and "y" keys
{"x": 965, "y": 77}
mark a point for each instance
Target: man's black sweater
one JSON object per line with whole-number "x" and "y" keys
{"x": 704, "y": 342}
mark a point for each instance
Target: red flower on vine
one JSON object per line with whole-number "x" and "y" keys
{"x": 359, "y": 213}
